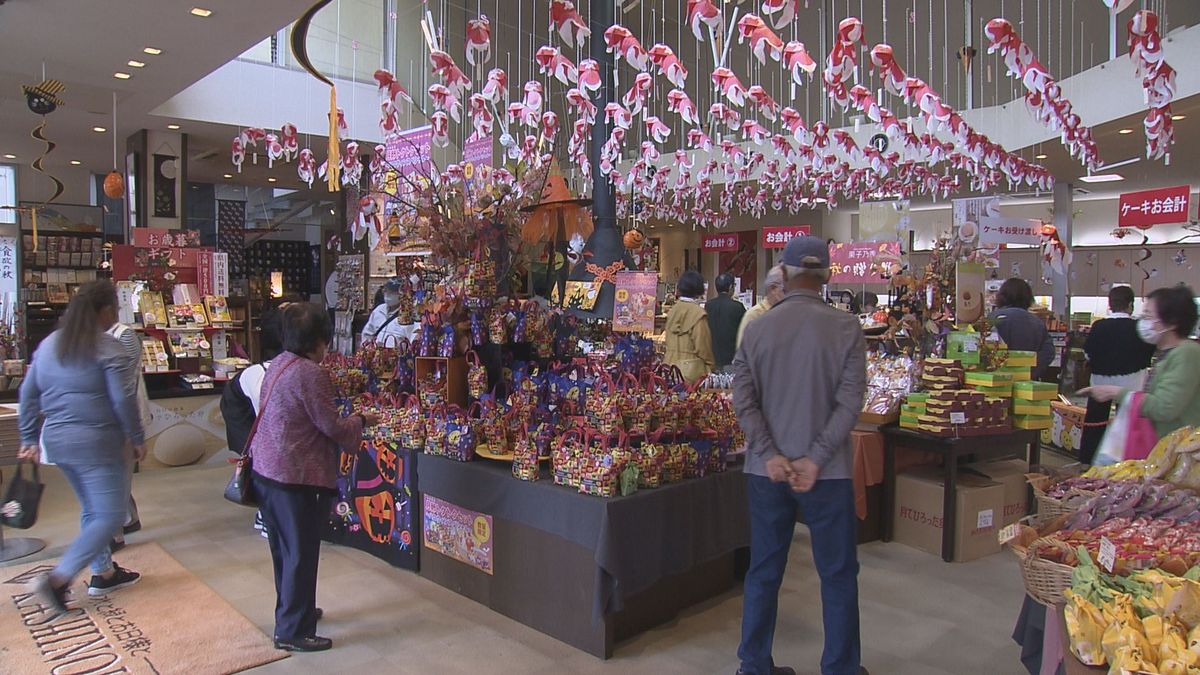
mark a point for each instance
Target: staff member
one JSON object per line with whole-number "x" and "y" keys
{"x": 1020, "y": 329}
{"x": 385, "y": 325}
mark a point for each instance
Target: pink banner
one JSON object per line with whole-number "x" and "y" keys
{"x": 458, "y": 533}
{"x": 409, "y": 151}
{"x": 634, "y": 302}
{"x": 204, "y": 273}
{"x": 478, "y": 153}
{"x": 863, "y": 263}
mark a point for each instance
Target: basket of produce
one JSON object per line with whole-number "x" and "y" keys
{"x": 1046, "y": 570}
{"x": 1058, "y": 496}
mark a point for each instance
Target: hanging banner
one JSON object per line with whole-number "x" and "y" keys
{"x": 375, "y": 510}
{"x": 968, "y": 213}
{"x": 409, "y": 151}
{"x": 863, "y": 263}
{"x": 883, "y": 221}
{"x": 778, "y": 237}
{"x": 1001, "y": 230}
{"x": 8, "y": 259}
{"x": 712, "y": 243}
{"x": 477, "y": 153}
{"x": 634, "y": 302}
{"x": 1161, "y": 206}
{"x": 220, "y": 267}
{"x": 204, "y": 273}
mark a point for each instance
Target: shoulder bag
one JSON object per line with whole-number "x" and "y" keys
{"x": 19, "y": 508}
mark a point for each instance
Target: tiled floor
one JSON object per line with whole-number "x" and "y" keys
{"x": 919, "y": 615}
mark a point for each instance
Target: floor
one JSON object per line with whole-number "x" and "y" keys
{"x": 919, "y": 615}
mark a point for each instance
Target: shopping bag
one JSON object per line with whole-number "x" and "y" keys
{"x": 1129, "y": 435}
{"x": 19, "y": 508}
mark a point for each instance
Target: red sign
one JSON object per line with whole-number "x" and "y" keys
{"x": 720, "y": 242}
{"x": 156, "y": 237}
{"x": 1154, "y": 207}
{"x": 865, "y": 263}
{"x": 778, "y": 237}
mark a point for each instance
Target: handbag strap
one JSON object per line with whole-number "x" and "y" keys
{"x": 266, "y": 398}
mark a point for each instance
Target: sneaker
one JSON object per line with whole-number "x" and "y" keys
{"x": 120, "y": 578}
{"x": 775, "y": 670}
{"x": 49, "y": 596}
{"x": 116, "y": 545}
{"x": 307, "y": 644}
{"x": 263, "y": 531}
{"x": 135, "y": 526}
{"x": 258, "y": 522}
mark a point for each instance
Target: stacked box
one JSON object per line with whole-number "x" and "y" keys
{"x": 1019, "y": 373}
{"x": 1032, "y": 421}
{"x": 1031, "y": 408}
{"x": 942, "y": 374}
{"x": 912, "y": 409}
{"x": 1001, "y": 391}
{"x": 1017, "y": 359}
{"x": 1035, "y": 391}
{"x": 983, "y": 415}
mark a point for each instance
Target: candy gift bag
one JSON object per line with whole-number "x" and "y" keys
{"x": 604, "y": 408}
{"x": 410, "y": 424}
{"x": 525, "y": 457}
{"x": 436, "y": 431}
{"x": 477, "y": 379}
{"x": 498, "y": 325}
{"x": 650, "y": 457}
{"x": 460, "y": 434}
{"x": 403, "y": 378}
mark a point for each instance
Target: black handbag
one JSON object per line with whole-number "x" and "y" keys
{"x": 240, "y": 488}
{"x": 21, "y": 499}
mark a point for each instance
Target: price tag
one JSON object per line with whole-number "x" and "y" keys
{"x": 1108, "y": 554}
{"x": 1008, "y": 533}
{"x": 984, "y": 519}
{"x": 958, "y": 418}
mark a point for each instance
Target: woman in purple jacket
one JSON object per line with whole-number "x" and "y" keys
{"x": 294, "y": 451}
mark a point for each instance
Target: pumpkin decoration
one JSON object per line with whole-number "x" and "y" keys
{"x": 389, "y": 463}
{"x": 346, "y": 462}
{"x": 114, "y": 185}
{"x": 634, "y": 239}
{"x": 378, "y": 513}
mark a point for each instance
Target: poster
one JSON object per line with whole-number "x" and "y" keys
{"x": 863, "y": 263}
{"x": 1000, "y": 230}
{"x": 164, "y": 186}
{"x": 374, "y": 509}
{"x": 778, "y": 237}
{"x": 8, "y": 259}
{"x": 634, "y": 302}
{"x": 968, "y": 212}
{"x": 477, "y": 153}
{"x": 581, "y": 295}
{"x": 220, "y": 266}
{"x": 1160, "y": 206}
{"x": 883, "y": 221}
{"x": 742, "y": 261}
{"x": 458, "y": 533}
{"x": 968, "y": 305}
{"x": 409, "y": 151}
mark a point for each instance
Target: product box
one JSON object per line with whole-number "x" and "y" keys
{"x": 1036, "y": 408}
{"x": 916, "y": 397}
{"x": 963, "y": 346}
{"x": 1032, "y": 422}
{"x": 1013, "y": 359}
{"x": 1018, "y": 373}
{"x": 909, "y": 422}
{"x": 1011, "y": 474}
{"x": 918, "y": 513}
{"x": 989, "y": 379}
{"x": 1001, "y": 391}
{"x": 1035, "y": 391}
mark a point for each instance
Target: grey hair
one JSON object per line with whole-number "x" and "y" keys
{"x": 774, "y": 278}
{"x": 793, "y": 271}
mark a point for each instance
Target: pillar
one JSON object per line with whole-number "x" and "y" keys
{"x": 1060, "y": 283}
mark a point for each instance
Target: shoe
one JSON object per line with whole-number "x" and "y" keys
{"x": 775, "y": 670}
{"x": 116, "y": 545}
{"x": 120, "y": 578}
{"x": 863, "y": 671}
{"x": 49, "y": 596}
{"x": 135, "y": 526}
{"x": 264, "y": 533}
{"x": 308, "y": 644}
{"x": 258, "y": 522}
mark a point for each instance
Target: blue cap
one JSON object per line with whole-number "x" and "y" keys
{"x": 808, "y": 252}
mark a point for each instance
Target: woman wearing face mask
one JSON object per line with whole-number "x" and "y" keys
{"x": 385, "y": 325}
{"x": 1172, "y": 391}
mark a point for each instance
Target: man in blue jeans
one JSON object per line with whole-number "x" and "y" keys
{"x": 800, "y": 377}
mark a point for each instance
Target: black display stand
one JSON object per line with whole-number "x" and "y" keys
{"x": 377, "y": 508}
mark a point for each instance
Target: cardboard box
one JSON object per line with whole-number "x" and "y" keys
{"x": 918, "y": 513}
{"x": 1011, "y": 474}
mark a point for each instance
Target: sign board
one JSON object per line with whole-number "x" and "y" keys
{"x": 8, "y": 259}
{"x": 166, "y": 238}
{"x": 778, "y": 237}
{"x": 409, "y": 151}
{"x": 477, "y": 152}
{"x": 863, "y": 263}
{"x": 1154, "y": 207}
{"x": 634, "y": 302}
{"x": 712, "y": 243}
{"x": 1002, "y": 230}
{"x": 220, "y": 267}
{"x": 458, "y": 533}
{"x": 967, "y": 214}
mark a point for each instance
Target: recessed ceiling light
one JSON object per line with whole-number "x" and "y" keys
{"x": 135, "y": 64}
{"x": 173, "y": 127}
{"x": 1039, "y": 156}
{"x": 152, "y": 51}
{"x": 10, "y": 157}
{"x": 1102, "y": 178}
{"x": 201, "y": 12}
{"x": 332, "y": 212}
{"x": 75, "y": 162}
{"x": 1125, "y": 131}
{"x": 228, "y": 175}
{"x": 99, "y": 130}
{"x": 1178, "y": 117}
{"x": 122, "y": 76}
{"x": 272, "y": 179}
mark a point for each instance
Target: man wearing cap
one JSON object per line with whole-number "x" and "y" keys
{"x": 799, "y": 381}
{"x": 385, "y": 325}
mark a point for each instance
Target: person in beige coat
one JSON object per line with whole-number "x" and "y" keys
{"x": 688, "y": 340}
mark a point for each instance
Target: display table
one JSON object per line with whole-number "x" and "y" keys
{"x": 186, "y": 425}
{"x": 586, "y": 570}
{"x": 1018, "y": 443}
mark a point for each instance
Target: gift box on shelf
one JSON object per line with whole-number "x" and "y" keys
{"x": 1031, "y": 408}
{"x": 1014, "y": 359}
{"x": 1032, "y": 421}
{"x": 446, "y": 377}
{"x": 989, "y": 379}
{"x": 1018, "y": 373}
{"x": 1035, "y": 391}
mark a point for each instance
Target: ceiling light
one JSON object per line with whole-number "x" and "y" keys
{"x": 1125, "y": 131}
{"x": 1102, "y": 178}
{"x": 201, "y": 12}
{"x": 99, "y": 130}
{"x": 152, "y": 51}
{"x": 173, "y": 127}
{"x": 122, "y": 76}
{"x": 229, "y": 175}
{"x": 1178, "y": 117}
{"x": 332, "y": 212}
{"x": 10, "y": 157}
{"x": 135, "y": 64}
{"x": 1039, "y": 156}
{"x": 272, "y": 179}
{"x": 75, "y": 162}
{"x": 820, "y": 200}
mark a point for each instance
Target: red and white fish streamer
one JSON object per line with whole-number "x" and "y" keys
{"x": 1158, "y": 83}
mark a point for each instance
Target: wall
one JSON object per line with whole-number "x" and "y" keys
{"x": 35, "y": 187}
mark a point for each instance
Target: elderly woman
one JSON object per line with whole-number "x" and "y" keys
{"x": 75, "y": 402}
{"x": 294, "y": 449}
{"x": 688, "y": 340}
{"x": 1020, "y": 329}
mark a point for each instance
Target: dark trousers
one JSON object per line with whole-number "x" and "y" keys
{"x": 829, "y": 512}
{"x": 1097, "y": 411}
{"x": 293, "y": 518}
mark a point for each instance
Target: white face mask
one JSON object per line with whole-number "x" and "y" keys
{"x": 1145, "y": 329}
{"x": 392, "y": 301}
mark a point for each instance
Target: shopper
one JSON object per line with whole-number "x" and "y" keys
{"x": 772, "y": 296}
{"x": 800, "y": 377}
{"x": 866, "y": 302}
{"x": 240, "y": 399}
{"x": 1020, "y": 329}
{"x": 1172, "y": 390}
{"x": 688, "y": 341}
{"x": 1117, "y": 356}
{"x": 724, "y": 318}
{"x": 135, "y": 386}
{"x": 385, "y": 325}
{"x": 294, "y": 452}
{"x": 74, "y": 402}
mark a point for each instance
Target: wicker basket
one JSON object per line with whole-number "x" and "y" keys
{"x": 1045, "y": 580}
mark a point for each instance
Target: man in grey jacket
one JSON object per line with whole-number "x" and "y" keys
{"x": 800, "y": 377}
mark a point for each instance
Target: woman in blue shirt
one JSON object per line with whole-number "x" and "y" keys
{"x": 75, "y": 403}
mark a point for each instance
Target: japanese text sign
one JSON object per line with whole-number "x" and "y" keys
{"x": 778, "y": 237}
{"x": 1001, "y": 230}
{"x": 409, "y": 151}
{"x": 1154, "y": 207}
{"x": 159, "y": 237}
{"x": 863, "y": 263}
{"x": 719, "y": 242}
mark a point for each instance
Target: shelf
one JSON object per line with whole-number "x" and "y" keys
{"x": 204, "y": 329}
{"x": 162, "y": 372}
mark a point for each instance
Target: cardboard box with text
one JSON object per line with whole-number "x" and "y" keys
{"x": 919, "y": 520}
